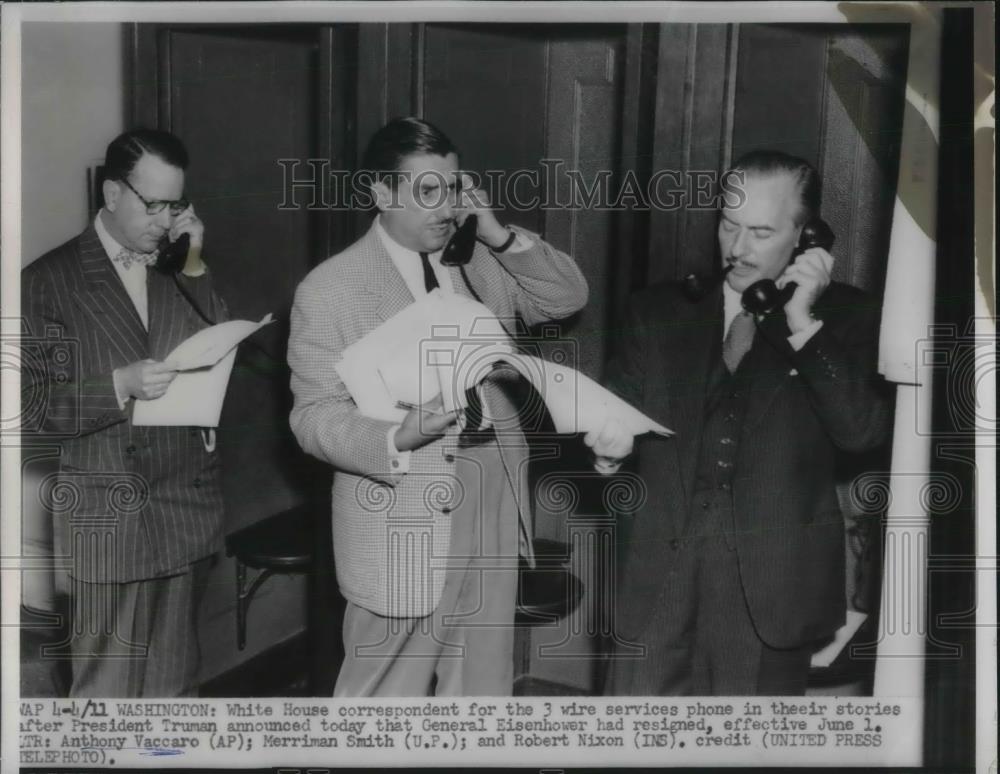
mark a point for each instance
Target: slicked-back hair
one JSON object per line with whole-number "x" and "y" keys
{"x": 399, "y": 138}
{"x": 767, "y": 163}
{"x": 126, "y": 149}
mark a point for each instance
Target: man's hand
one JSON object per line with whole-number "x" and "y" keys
{"x": 189, "y": 223}
{"x": 423, "y": 424}
{"x": 145, "y": 379}
{"x": 811, "y": 272}
{"x": 611, "y": 445}
{"x": 475, "y": 201}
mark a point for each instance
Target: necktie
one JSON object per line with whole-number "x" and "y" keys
{"x": 738, "y": 340}
{"x": 473, "y": 411}
{"x": 430, "y": 281}
{"x": 127, "y": 257}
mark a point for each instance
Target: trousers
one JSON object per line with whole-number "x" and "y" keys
{"x": 700, "y": 639}
{"x": 466, "y": 646}
{"x": 137, "y": 639}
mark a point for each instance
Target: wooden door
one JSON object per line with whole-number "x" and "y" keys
{"x": 831, "y": 94}
{"x": 247, "y": 100}
{"x": 553, "y": 93}
{"x": 538, "y": 92}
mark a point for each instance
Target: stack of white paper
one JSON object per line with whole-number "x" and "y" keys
{"x": 445, "y": 344}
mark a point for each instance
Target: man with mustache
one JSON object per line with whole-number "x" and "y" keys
{"x": 428, "y": 520}
{"x": 734, "y": 568}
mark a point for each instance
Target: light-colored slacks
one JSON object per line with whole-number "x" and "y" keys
{"x": 465, "y": 647}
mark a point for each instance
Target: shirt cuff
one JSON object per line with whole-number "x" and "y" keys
{"x": 119, "y": 396}
{"x": 521, "y": 244}
{"x": 798, "y": 340}
{"x": 607, "y": 467}
{"x": 399, "y": 461}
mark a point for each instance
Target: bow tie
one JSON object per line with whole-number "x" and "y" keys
{"x": 127, "y": 257}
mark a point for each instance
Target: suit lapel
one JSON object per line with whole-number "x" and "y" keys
{"x": 106, "y": 301}
{"x": 766, "y": 369}
{"x": 689, "y": 352}
{"x": 383, "y": 279}
{"x": 167, "y": 315}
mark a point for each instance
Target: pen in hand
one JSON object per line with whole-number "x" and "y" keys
{"x": 422, "y": 424}
{"x": 402, "y": 404}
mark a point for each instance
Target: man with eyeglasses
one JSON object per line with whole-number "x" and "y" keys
{"x": 144, "y": 508}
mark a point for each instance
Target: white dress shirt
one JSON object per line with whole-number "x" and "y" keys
{"x": 133, "y": 278}
{"x": 410, "y": 267}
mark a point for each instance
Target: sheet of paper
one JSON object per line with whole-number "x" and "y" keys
{"x": 410, "y": 356}
{"x": 843, "y": 636}
{"x": 193, "y": 399}
{"x": 208, "y": 346}
{"x": 205, "y": 361}
{"x": 577, "y": 403}
{"x": 445, "y": 344}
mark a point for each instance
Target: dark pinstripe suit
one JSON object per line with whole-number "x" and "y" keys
{"x": 133, "y": 503}
{"x": 780, "y": 529}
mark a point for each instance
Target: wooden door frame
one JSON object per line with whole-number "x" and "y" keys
{"x": 147, "y": 103}
{"x": 146, "y": 60}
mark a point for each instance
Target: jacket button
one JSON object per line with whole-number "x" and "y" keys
{"x": 724, "y": 487}
{"x": 675, "y": 544}
{"x": 449, "y": 457}
{"x": 197, "y": 483}
{"x": 446, "y": 511}
{"x": 130, "y": 449}
{"x": 704, "y": 505}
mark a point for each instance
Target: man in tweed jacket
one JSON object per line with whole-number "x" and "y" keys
{"x": 427, "y": 524}
{"x": 137, "y": 509}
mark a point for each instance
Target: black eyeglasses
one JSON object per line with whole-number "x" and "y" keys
{"x": 155, "y": 208}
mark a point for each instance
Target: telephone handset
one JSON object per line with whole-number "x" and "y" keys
{"x": 170, "y": 261}
{"x": 458, "y": 251}
{"x": 172, "y": 255}
{"x": 763, "y": 296}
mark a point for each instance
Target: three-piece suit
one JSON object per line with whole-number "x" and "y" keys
{"x": 733, "y": 567}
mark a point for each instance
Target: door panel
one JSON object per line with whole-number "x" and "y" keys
{"x": 241, "y": 100}
{"x": 493, "y": 111}
{"x": 584, "y": 131}
{"x": 512, "y": 95}
{"x": 864, "y": 100}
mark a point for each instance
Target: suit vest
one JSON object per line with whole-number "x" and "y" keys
{"x": 725, "y": 410}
